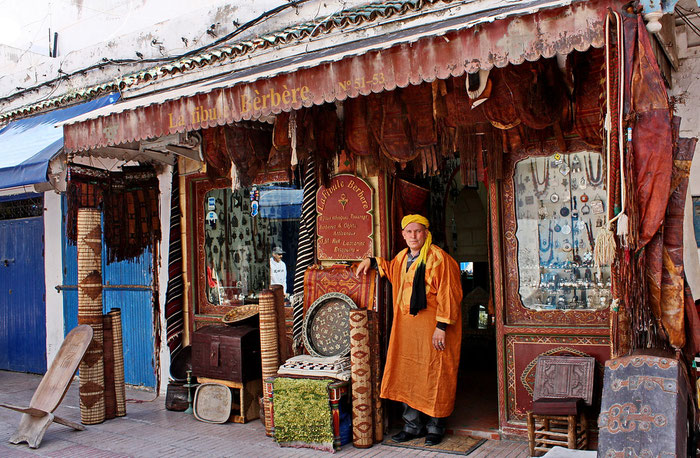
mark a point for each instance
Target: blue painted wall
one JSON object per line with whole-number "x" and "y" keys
{"x": 127, "y": 287}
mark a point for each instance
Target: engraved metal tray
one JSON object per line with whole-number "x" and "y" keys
{"x": 327, "y": 325}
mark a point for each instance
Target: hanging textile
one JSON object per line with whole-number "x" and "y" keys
{"x": 306, "y": 245}
{"x": 130, "y": 203}
{"x": 651, "y": 136}
{"x": 175, "y": 289}
{"x": 665, "y": 279}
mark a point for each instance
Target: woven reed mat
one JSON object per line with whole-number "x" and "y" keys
{"x": 456, "y": 445}
{"x": 376, "y": 376}
{"x": 92, "y": 385}
{"x": 362, "y": 424}
{"x": 117, "y": 339}
{"x": 269, "y": 351}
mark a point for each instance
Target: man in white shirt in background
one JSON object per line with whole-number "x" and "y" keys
{"x": 278, "y": 269}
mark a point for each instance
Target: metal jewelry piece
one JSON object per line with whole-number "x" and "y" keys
{"x": 554, "y": 197}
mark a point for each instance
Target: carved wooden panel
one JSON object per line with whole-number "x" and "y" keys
{"x": 564, "y": 377}
{"x": 521, "y": 353}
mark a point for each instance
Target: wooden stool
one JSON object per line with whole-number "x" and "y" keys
{"x": 248, "y": 397}
{"x": 563, "y": 387}
{"x": 557, "y": 422}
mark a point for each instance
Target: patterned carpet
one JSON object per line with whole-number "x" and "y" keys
{"x": 457, "y": 445}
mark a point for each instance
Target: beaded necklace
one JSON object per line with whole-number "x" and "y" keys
{"x": 536, "y": 183}
{"x": 598, "y": 179}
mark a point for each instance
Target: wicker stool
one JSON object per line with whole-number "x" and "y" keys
{"x": 563, "y": 387}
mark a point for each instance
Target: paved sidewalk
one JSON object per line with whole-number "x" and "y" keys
{"x": 149, "y": 430}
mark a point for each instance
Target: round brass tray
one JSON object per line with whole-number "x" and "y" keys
{"x": 240, "y": 313}
{"x": 327, "y": 325}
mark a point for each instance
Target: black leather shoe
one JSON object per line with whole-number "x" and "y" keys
{"x": 433, "y": 439}
{"x": 404, "y": 436}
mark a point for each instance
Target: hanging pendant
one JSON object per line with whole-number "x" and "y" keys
{"x": 566, "y": 229}
{"x": 554, "y": 197}
{"x": 557, "y": 228}
{"x": 582, "y": 183}
{"x": 584, "y": 197}
{"x": 564, "y": 169}
{"x": 564, "y": 211}
{"x": 566, "y": 247}
{"x": 597, "y": 206}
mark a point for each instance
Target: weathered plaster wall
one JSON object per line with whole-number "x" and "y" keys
{"x": 53, "y": 268}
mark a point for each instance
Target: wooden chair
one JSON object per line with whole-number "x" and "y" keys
{"x": 53, "y": 387}
{"x": 563, "y": 387}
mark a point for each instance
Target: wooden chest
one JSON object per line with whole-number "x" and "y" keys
{"x": 227, "y": 353}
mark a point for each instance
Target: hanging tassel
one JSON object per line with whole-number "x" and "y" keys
{"x": 293, "y": 138}
{"x": 623, "y": 228}
{"x": 604, "y": 250}
{"x": 235, "y": 179}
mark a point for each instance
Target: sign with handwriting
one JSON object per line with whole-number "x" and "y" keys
{"x": 344, "y": 224}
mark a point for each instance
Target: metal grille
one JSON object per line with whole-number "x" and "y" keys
{"x": 23, "y": 208}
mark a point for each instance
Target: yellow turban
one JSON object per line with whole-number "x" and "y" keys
{"x": 408, "y": 219}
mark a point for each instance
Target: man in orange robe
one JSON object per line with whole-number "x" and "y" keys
{"x": 426, "y": 336}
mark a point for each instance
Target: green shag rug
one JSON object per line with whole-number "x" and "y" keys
{"x": 302, "y": 413}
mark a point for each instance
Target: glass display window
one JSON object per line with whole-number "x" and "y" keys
{"x": 237, "y": 233}
{"x": 560, "y": 207}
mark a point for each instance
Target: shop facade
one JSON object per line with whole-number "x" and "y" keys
{"x": 488, "y": 121}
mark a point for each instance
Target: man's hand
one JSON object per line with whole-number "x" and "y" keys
{"x": 363, "y": 267}
{"x": 439, "y": 339}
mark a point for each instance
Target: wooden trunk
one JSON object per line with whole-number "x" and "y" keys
{"x": 227, "y": 353}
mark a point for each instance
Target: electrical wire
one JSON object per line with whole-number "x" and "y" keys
{"x": 694, "y": 28}
{"x": 108, "y": 62}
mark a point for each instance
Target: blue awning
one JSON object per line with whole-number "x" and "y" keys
{"x": 27, "y": 145}
{"x": 280, "y": 202}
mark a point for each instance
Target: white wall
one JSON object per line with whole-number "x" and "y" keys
{"x": 53, "y": 268}
{"x": 165, "y": 185}
{"x": 686, "y": 97}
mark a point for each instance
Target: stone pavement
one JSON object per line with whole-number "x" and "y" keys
{"x": 149, "y": 430}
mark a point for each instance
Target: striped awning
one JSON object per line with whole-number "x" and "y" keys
{"x": 525, "y": 30}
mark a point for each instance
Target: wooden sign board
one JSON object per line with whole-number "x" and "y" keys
{"x": 344, "y": 224}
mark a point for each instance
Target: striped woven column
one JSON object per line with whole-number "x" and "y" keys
{"x": 306, "y": 245}
{"x": 269, "y": 353}
{"x": 278, "y": 293}
{"x": 376, "y": 377}
{"x": 92, "y": 406}
{"x": 360, "y": 361}
{"x": 117, "y": 342}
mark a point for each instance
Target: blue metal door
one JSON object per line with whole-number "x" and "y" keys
{"x": 22, "y": 298}
{"x": 129, "y": 287}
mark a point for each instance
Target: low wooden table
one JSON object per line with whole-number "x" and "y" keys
{"x": 248, "y": 397}
{"x": 336, "y": 390}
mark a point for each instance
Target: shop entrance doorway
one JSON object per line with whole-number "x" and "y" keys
{"x": 476, "y": 405}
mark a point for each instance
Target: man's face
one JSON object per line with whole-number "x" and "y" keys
{"x": 414, "y": 234}
{"x": 277, "y": 257}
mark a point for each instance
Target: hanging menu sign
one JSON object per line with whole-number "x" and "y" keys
{"x": 344, "y": 224}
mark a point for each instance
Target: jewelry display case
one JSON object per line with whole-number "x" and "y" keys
{"x": 560, "y": 203}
